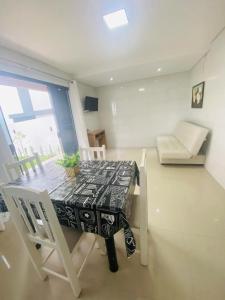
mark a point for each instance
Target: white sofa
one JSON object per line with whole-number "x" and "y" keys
{"x": 183, "y": 146}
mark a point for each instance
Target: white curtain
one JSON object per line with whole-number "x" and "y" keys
{"x": 78, "y": 116}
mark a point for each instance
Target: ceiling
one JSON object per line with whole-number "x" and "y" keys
{"x": 72, "y": 36}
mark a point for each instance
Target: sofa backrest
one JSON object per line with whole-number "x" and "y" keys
{"x": 191, "y": 136}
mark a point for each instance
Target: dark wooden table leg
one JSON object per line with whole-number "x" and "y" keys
{"x": 111, "y": 252}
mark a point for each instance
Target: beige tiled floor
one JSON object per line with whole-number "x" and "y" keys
{"x": 186, "y": 242}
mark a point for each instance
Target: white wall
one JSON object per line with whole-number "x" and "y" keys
{"x": 211, "y": 69}
{"x": 133, "y": 118}
{"x": 92, "y": 121}
{"x": 14, "y": 62}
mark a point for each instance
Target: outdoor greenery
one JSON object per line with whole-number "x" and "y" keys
{"x": 70, "y": 161}
{"x": 42, "y": 158}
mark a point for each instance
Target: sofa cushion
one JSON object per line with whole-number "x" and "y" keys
{"x": 191, "y": 136}
{"x": 170, "y": 148}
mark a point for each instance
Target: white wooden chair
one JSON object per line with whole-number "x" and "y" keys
{"x": 93, "y": 153}
{"x": 45, "y": 231}
{"x": 139, "y": 214}
{"x": 16, "y": 169}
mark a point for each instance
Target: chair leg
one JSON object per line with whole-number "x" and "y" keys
{"x": 144, "y": 247}
{"x": 70, "y": 271}
{"x": 101, "y": 245}
{"x": 4, "y": 217}
{"x": 74, "y": 283}
{"x": 33, "y": 253}
{"x": 2, "y": 225}
{"x": 35, "y": 258}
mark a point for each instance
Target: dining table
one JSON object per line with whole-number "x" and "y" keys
{"x": 98, "y": 200}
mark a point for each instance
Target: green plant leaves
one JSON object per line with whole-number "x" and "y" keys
{"x": 70, "y": 161}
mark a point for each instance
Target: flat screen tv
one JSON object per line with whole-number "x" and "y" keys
{"x": 91, "y": 104}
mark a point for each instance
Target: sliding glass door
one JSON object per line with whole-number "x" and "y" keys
{"x": 36, "y": 117}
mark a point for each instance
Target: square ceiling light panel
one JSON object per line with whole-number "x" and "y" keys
{"x": 116, "y": 19}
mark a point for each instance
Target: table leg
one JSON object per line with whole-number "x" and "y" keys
{"x": 111, "y": 252}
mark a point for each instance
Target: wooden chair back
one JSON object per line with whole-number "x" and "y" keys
{"x": 35, "y": 209}
{"x": 93, "y": 153}
{"x": 18, "y": 168}
{"x": 36, "y": 222}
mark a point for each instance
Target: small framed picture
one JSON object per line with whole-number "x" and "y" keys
{"x": 198, "y": 95}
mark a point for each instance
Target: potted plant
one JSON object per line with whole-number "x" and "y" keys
{"x": 71, "y": 164}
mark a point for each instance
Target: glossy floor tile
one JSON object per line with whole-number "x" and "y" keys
{"x": 186, "y": 244}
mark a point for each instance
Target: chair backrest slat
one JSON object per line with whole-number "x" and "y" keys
{"x": 93, "y": 153}
{"x": 45, "y": 222}
{"x": 33, "y": 218}
{"x": 98, "y": 155}
{"x": 24, "y": 215}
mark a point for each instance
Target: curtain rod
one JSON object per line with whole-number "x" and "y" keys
{"x": 20, "y": 65}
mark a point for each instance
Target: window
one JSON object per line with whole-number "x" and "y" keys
{"x": 9, "y": 100}
{"x": 40, "y": 99}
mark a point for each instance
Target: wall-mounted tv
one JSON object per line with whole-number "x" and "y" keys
{"x": 90, "y": 104}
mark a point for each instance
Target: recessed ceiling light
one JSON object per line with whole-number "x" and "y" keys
{"x": 116, "y": 19}
{"x": 111, "y": 79}
{"x": 159, "y": 69}
{"x": 141, "y": 89}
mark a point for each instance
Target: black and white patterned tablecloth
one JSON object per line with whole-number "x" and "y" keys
{"x": 96, "y": 201}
